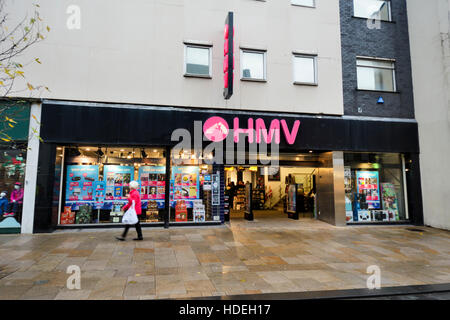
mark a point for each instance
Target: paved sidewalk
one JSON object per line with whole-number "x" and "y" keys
{"x": 265, "y": 256}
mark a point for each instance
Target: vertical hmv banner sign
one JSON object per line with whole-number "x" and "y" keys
{"x": 228, "y": 53}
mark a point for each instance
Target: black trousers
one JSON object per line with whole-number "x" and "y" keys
{"x": 138, "y": 230}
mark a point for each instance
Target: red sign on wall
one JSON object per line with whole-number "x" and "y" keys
{"x": 228, "y": 54}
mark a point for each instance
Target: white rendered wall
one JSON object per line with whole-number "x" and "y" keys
{"x": 430, "y": 53}
{"x": 132, "y": 52}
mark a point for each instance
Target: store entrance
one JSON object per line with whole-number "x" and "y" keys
{"x": 253, "y": 192}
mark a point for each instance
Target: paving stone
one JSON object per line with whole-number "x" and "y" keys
{"x": 135, "y": 289}
{"x": 41, "y": 293}
{"x": 73, "y": 294}
{"x": 264, "y": 256}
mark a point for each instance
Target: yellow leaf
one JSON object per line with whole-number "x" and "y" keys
{"x": 30, "y": 87}
{"x": 34, "y": 117}
{"x": 37, "y": 60}
{"x": 20, "y": 73}
{"x": 10, "y": 120}
{"x": 7, "y": 140}
{"x": 48, "y": 28}
{"x": 1, "y": 83}
{"x": 10, "y": 125}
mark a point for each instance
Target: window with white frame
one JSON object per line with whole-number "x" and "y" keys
{"x": 304, "y": 3}
{"x": 305, "y": 69}
{"x": 372, "y": 9}
{"x": 376, "y": 74}
{"x": 197, "y": 60}
{"x": 253, "y": 65}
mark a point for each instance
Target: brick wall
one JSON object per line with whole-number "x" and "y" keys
{"x": 391, "y": 41}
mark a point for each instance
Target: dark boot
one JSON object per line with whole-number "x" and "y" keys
{"x": 124, "y": 234}
{"x": 139, "y": 232}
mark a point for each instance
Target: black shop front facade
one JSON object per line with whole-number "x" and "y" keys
{"x": 365, "y": 170}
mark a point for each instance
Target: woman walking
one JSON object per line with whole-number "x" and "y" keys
{"x": 134, "y": 196}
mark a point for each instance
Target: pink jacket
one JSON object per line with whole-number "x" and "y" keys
{"x": 134, "y": 195}
{"x": 17, "y": 195}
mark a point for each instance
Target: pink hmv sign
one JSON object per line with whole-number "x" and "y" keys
{"x": 217, "y": 129}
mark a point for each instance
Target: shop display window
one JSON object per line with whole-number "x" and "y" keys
{"x": 374, "y": 188}
{"x": 95, "y": 183}
{"x": 12, "y": 175}
{"x": 194, "y": 190}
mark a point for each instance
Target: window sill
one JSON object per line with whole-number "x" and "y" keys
{"x": 187, "y": 75}
{"x": 378, "y": 91}
{"x": 362, "y": 18}
{"x": 306, "y": 84}
{"x": 253, "y": 80}
{"x": 301, "y": 5}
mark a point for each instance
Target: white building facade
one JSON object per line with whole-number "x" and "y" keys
{"x": 123, "y": 76}
{"x": 429, "y": 27}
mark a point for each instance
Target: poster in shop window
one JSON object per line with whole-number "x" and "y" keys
{"x": 368, "y": 189}
{"x": 152, "y": 180}
{"x": 390, "y": 201}
{"x": 186, "y": 182}
{"x": 79, "y": 182}
{"x": 118, "y": 180}
{"x": 99, "y": 191}
{"x": 348, "y": 194}
{"x": 215, "y": 195}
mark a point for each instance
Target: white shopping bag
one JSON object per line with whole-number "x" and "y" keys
{"x": 130, "y": 217}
